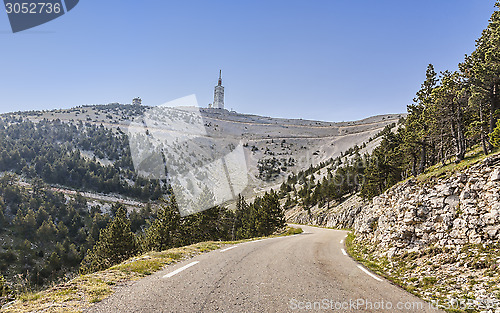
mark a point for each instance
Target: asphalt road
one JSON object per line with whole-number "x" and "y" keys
{"x": 301, "y": 273}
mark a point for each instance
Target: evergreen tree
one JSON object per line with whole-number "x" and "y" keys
{"x": 270, "y": 214}
{"x": 116, "y": 244}
{"x": 385, "y": 166}
{"x": 163, "y": 232}
{"x": 451, "y": 101}
{"x": 482, "y": 68}
{"x": 418, "y": 122}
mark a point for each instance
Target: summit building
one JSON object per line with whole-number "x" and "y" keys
{"x": 219, "y": 94}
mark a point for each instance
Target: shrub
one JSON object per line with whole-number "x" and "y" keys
{"x": 495, "y": 136}
{"x": 4, "y": 289}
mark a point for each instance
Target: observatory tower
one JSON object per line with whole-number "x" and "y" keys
{"x": 219, "y": 94}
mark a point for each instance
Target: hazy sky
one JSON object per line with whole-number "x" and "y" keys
{"x": 328, "y": 60}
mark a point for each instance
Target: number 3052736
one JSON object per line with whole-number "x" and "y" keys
{"x": 33, "y": 8}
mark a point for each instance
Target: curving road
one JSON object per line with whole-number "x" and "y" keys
{"x": 301, "y": 273}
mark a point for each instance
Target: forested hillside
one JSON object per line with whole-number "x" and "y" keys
{"x": 44, "y": 235}
{"x": 47, "y": 236}
{"x": 453, "y": 112}
{"x": 82, "y": 156}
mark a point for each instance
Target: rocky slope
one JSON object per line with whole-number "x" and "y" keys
{"x": 463, "y": 209}
{"x": 281, "y": 145}
{"x": 438, "y": 238}
{"x": 335, "y": 216}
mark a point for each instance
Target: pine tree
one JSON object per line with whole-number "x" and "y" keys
{"x": 163, "y": 232}
{"x": 116, "y": 244}
{"x": 243, "y": 224}
{"x": 417, "y": 123}
{"x": 482, "y": 68}
{"x": 451, "y": 102}
{"x": 270, "y": 214}
{"x": 385, "y": 166}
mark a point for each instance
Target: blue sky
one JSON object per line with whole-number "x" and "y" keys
{"x": 328, "y": 60}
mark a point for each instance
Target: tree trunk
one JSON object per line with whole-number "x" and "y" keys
{"x": 455, "y": 136}
{"x": 460, "y": 135}
{"x": 494, "y": 106}
{"x": 432, "y": 154}
{"x": 459, "y": 141}
{"x": 461, "y": 144}
{"x": 441, "y": 148}
{"x": 423, "y": 157}
{"x": 414, "y": 165}
{"x": 483, "y": 131}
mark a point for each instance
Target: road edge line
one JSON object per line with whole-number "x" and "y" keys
{"x": 369, "y": 273}
{"x": 177, "y": 271}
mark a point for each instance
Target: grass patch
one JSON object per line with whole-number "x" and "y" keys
{"x": 98, "y": 292}
{"x": 208, "y": 246}
{"x": 364, "y": 254}
{"x": 29, "y": 297}
{"x": 294, "y": 231}
{"x": 418, "y": 272}
{"x": 173, "y": 255}
{"x": 428, "y": 281}
{"x": 472, "y": 157}
{"x": 439, "y": 170}
{"x": 143, "y": 266}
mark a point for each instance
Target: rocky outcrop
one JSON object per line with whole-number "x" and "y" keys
{"x": 338, "y": 216}
{"x": 442, "y": 212}
{"x": 446, "y": 213}
{"x": 439, "y": 238}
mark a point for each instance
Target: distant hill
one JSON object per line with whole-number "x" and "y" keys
{"x": 275, "y": 147}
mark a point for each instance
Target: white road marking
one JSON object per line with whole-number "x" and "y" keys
{"x": 224, "y": 250}
{"x": 256, "y": 240}
{"x": 343, "y": 252}
{"x": 368, "y": 272}
{"x": 177, "y": 271}
{"x": 342, "y": 242}
{"x": 278, "y": 237}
